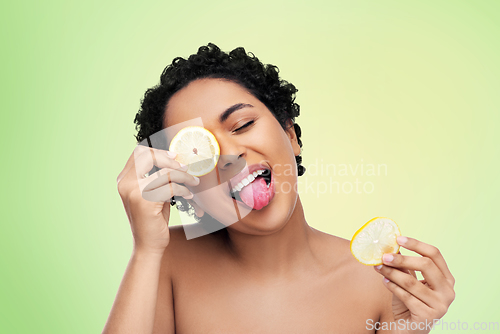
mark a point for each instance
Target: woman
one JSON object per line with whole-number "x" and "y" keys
{"x": 269, "y": 272}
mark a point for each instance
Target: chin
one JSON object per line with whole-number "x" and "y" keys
{"x": 270, "y": 219}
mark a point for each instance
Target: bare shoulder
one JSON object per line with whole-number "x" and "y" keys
{"x": 361, "y": 282}
{"x": 337, "y": 252}
{"x": 184, "y": 262}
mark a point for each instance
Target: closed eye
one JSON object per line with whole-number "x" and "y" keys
{"x": 244, "y": 126}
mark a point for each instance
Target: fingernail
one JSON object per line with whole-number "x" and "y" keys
{"x": 197, "y": 179}
{"x": 171, "y": 154}
{"x": 378, "y": 267}
{"x": 402, "y": 240}
{"x": 188, "y": 196}
{"x": 386, "y": 280}
{"x": 388, "y": 258}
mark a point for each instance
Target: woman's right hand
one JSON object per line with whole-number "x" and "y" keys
{"x": 147, "y": 199}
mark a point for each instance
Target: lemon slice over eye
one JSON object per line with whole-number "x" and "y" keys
{"x": 374, "y": 239}
{"x": 197, "y": 148}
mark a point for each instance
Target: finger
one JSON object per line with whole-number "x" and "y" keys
{"x": 429, "y": 269}
{"x": 166, "y": 192}
{"x": 415, "y": 305}
{"x": 143, "y": 148}
{"x": 128, "y": 165}
{"x": 406, "y": 271}
{"x": 410, "y": 284}
{"x": 411, "y": 272}
{"x": 165, "y": 176}
{"x": 429, "y": 251}
{"x": 146, "y": 158}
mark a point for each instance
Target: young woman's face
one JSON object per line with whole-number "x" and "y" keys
{"x": 261, "y": 141}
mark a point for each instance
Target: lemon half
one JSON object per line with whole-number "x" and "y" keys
{"x": 374, "y": 239}
{"x": 197, "y": 148}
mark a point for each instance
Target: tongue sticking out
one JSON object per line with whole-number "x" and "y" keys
{"x": 256, "y": 194}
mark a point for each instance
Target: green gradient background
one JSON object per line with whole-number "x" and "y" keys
{"x": 413, "y": 85}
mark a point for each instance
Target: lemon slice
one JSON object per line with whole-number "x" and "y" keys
{"x": 374, "y": 239}
{"x": 196, "y": 147}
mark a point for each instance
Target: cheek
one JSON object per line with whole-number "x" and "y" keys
{"x": 279, "y": 153}
{"x": 273, "y": 138}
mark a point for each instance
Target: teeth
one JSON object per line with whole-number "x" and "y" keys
{"x": 246, "y": 181}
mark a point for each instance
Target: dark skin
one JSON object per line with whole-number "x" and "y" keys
{"x": 274, "y": 273}
{"x": 331, "y": 293}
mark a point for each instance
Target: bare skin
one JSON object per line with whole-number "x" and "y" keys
{"x": 321, "y": 290}
{"x": 275, "y": 273}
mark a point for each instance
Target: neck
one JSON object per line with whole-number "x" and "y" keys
{"x": 283, "y": 253}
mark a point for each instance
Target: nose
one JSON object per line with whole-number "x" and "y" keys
{"x": 232, "y": 155}
{"x": 225, "y": 161}
{"x": 230, "y": 161}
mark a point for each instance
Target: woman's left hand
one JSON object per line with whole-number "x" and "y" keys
{"x": 417, "y": 301}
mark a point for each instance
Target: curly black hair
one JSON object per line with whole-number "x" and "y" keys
{"x": 237, "y": 66}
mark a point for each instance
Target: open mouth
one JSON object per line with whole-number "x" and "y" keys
{"x": 263, "y": 173}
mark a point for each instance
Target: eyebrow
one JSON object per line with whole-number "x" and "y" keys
{"x": 225, "y": 115}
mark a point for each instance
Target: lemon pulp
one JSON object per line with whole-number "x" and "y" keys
{"x": 374, "y": 239}
{"x": 197, "y": 148}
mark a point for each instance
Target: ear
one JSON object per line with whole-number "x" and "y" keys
{"x": 292, "y": 136}
{"x": 199, "y": 212}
